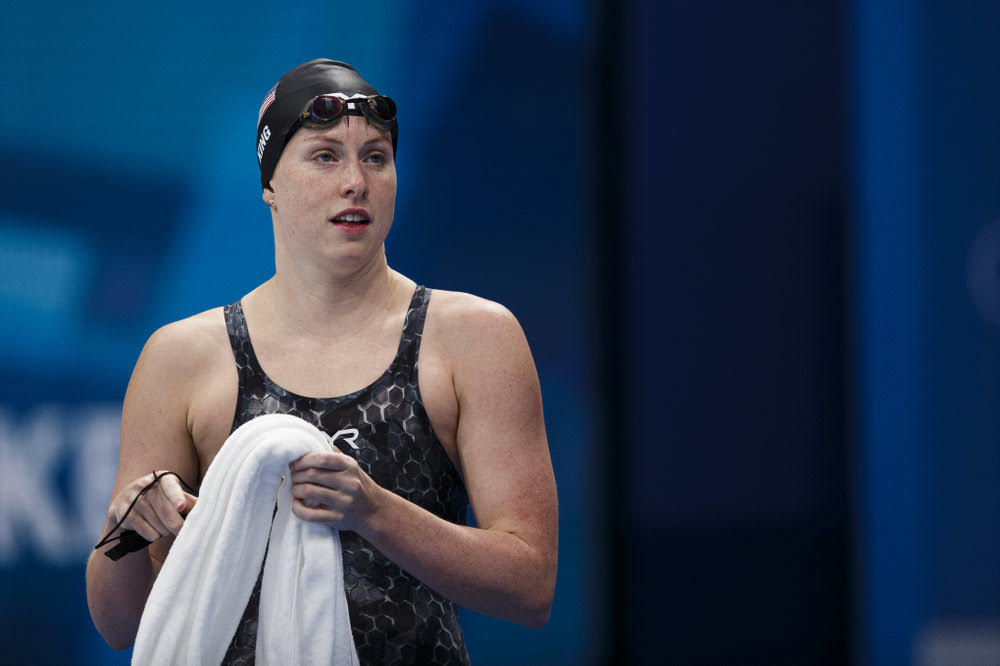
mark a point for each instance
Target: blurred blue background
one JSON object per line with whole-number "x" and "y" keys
{"x": 755, "y": 248}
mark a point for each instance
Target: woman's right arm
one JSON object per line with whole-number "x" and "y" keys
{"x": 154, "y": 437}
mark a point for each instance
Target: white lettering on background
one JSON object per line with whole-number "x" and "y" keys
{"x": 57, "y": 467}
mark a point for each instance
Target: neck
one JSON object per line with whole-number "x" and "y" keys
{"x": 316, "y": 302}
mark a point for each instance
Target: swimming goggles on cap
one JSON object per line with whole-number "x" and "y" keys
{"x": 378, "y": 110}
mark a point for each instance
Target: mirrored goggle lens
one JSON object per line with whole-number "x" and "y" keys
{"x": 326, "y": 108}
{"x": 382, "y": 107}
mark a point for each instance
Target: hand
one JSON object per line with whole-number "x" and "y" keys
{"x": 330, "y": 488}
{"x": 160, "y": 512}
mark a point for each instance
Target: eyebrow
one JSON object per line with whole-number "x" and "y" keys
{"x": 323, "y": 139}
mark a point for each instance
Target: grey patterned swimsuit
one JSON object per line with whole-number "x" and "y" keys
{"x": 395, "y": 619}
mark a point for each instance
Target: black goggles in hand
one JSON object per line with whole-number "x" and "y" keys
{"x": 378, "y": 110}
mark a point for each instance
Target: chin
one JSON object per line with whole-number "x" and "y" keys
{"x": 351, "y": 257}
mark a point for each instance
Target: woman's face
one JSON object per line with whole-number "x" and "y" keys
{"x": 334, "y": 191}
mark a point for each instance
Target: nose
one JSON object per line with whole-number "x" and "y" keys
{"x": 354, "y": 184}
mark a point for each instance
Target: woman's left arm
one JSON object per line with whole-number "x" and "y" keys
{"x": 506, "y": 567}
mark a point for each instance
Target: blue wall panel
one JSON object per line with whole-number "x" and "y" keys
{"x": 926, "y": 256}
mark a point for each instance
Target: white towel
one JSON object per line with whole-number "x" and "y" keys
{"x": 202, "y": 590}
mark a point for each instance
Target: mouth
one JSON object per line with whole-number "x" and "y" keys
{"x": 352, "y": 218}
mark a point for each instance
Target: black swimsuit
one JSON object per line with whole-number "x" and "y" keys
{"x": 395, "y": 619}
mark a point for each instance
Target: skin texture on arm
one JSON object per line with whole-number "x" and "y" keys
{"x": 154, "y": 437}
{"x": 507, "y": 566}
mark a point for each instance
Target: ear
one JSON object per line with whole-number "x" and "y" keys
{"x": 268, "y": 196}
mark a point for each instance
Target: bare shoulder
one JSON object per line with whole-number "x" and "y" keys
{"x": 179, "y": 355}
{"x": 459, "y": 306}
{"x": 469, "y": 324}
{"x": 190, "y": 341}
{"x": 175, "y": 361}
{"x": 483, "y": 347}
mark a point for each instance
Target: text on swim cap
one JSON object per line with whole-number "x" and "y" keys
{"x": 265, "y": 134}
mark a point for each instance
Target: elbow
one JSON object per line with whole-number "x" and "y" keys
{"x": 535, "y": 611}
{"x": 115, "y": 632}
{"x": 538, "y": 606}
{"x": 117, "y": 636}
{"x": 118, "y": 643}
{"x": 117, "y": 629}
{"x": 525, "y": 597}
{"x": 537, "y": 617}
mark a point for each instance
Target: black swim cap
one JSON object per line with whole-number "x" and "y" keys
{"x": 284, "y": 103}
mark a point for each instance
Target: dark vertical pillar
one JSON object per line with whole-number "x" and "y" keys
{"x": 606, "y": 116}
{"x": 732, "y": 222}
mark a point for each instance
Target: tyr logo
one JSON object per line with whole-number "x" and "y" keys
{"x": 350, "y": 435}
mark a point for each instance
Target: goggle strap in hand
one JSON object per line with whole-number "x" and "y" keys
{"x": 130, "y": 541}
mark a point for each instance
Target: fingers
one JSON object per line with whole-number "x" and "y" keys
{"x": 155, "y": 513}
{"x": 143, "y": 519}
{"x": 331, "y": 460}
{"x": 301, "y": 510}
{"x": 189, "y": 502}
{"x": 314, "y": 496}
{"x": 318, "y": 514}
{"x": 166, "y": 509}
{"x": 170, "y": 488}
{"x": 137, "y": 523}
{"x": 313, "y": 475}
{"x": 337, "y": 479}
{"x": 339, "y": 499}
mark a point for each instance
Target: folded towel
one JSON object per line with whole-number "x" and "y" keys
{"x": 202, "y": 590}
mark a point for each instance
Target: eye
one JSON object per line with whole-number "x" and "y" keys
{"x": 376, "y": 158}
{"x": 323, "y": 157}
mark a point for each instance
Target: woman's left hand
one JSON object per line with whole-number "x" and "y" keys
{"x": 330, "y": 488}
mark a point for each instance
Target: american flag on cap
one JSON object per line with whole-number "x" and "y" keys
{"x": 268, "y": 98}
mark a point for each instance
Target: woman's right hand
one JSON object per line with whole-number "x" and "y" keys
{"x": 159, "y": 512}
